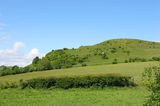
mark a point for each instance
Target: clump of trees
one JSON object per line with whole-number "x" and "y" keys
{"x": 139, "y": 59}
{"x": 8, "y": 70}
{"x": 135, "y": 59}
{"x": 151, "y": 78}
{"x": 56, "y": 59}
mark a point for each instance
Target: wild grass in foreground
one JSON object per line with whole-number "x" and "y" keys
{"x": 73, "y": 97}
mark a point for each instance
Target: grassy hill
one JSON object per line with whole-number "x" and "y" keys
{"x": 108, "y": 52}
{"x": 132, "y": 56}
{"x": 121, "y": 50}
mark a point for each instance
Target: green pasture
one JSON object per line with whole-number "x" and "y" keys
{"x": 129, "y": 69}
{"x": 74, "y": 97}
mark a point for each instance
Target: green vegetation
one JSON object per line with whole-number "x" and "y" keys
{"x": 79, "y": 82}
{"x": 108, "y": 52}
{"x": 78, "y": 68}
{"x": 151, "y": 78}
{"x": 73, "y": 97}
{"x": 95, "y": 97}
{"x": 134, "y": 70}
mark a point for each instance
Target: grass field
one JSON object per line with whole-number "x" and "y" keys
{"x": 78, "y": 97}
{"x": 132, "y": 69}
{"x": 73, "y": 97}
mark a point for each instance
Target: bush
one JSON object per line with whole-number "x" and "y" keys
{"x": 115, "y": 61}
{"x": 126, "y": 61}
{"x": 38, "y": 83}
{"x": 84, "y": 65}
{"x": 137, "y": 59}
{"x": 104, "y": 56}
{"x": 8, "y": 85}
{"x": 113, "y": 50}
{"x": 151, "y": 78}
{"x": 79, "y": 82}
{"x": 156, "y": 58}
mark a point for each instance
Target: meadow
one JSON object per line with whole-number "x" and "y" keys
{"x": 129, "y": 69}
{"x": 74, "y": 97}
{"x": 128, "y": 96}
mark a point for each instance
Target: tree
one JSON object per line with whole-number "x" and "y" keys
{"x": 35, "y": 60}
{"x": 115, "y": 61}
{"x": 15, "y": 69}
{"x": 104, "y": 56}
{"x": 151, "y": 78}
{"x": 44, "y": 64}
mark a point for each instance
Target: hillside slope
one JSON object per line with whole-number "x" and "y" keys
{"x": 108, "y": 52}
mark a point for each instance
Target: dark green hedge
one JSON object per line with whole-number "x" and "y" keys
{"x": 79, "y": 82}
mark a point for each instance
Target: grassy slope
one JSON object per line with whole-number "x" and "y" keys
{"x": 131, "y": 69}
{"x": 137, "y": 48}
{"x": 88, "y": 97}
{"x": 74, "y": 97}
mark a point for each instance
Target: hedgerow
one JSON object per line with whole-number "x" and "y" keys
{"x": 79, "y": 82}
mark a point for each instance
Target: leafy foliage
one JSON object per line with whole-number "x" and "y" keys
{"x": 79, "y": 82}
{"x": 124, "y": 50}
{"x": 151, "y": 78}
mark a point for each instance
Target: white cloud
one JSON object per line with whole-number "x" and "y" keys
{"x": 18, "y": 45}
{"x": 33, "y": 53}
{"x": 12, "y": 56}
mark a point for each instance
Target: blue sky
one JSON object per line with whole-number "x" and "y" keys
{"x": 39, "y": 26}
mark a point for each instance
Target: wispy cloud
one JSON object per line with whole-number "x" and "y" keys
{"x": 12, "y": 56}
{"x": 3, "y": 33}
{"x": 3, "y": 38}
{"x": 2, "y": 25}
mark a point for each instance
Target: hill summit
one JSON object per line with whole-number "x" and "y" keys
{"x": 108, "y": 52}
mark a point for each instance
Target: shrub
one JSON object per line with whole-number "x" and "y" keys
{"x": 126, "y": 61}
{"x": 79, "y": 82}
{"x": 65, "y": 48}
{"x": 104, "y": 56}
{"x": 115, "y": 61}
{"x": 84, "y": 65}
{"x": 113, "y": 50}
{"x": 151, "y": 78}
{"x": 156, "y": 58}
{"x": 137, "y": 59}
{"x": 8, "y": 85}
{"x": 38, "y": 83}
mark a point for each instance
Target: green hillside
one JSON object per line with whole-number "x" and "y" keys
{"x": 120, "y": 49}
{"x": 127, "y": 57}
{"x": 108, "y": 52}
